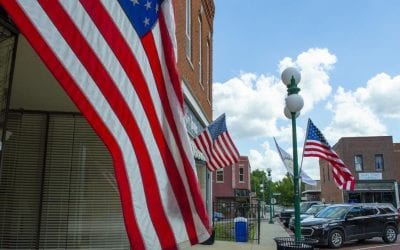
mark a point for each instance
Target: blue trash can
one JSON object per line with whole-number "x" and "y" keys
{"x": 240, "y": 229}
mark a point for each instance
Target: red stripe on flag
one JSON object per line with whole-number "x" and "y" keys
{"x": 70, "y": 86}
{"x": 170, "y": 59}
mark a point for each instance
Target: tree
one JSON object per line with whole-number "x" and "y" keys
{"x": 285, "y": 188}
{"x": 256, "y": 178}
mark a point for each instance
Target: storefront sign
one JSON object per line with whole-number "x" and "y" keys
{"x": 370, "y": 176}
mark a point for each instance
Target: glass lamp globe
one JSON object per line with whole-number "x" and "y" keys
{"x": 288, "y": 114}
{"x": 287, "y": 75}
{"x": 294, "y": 103}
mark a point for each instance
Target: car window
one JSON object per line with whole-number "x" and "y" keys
{"x": 332, "y": 212}
{"x": 304, "y": 207}
{"x": 354, "y": 212}
{"x": 382, "y": 210}
{"x": 368, "y": 211}
{"x": 388, "y": 210}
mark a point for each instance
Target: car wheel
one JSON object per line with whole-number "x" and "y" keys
{"x": 335, "y": 239}
{"x": 389, "y": 234}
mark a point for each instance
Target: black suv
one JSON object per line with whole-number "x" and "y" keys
{"x": 339, "y": 223}
{"x": 287, "y": 213}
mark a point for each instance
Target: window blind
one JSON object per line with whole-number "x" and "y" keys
{"x": 67, "y": 193}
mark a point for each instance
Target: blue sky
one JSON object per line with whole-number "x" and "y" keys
{"x": 347, "y": 52}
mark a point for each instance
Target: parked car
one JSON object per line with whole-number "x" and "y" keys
{"x": 314, "y": 209}
{"x": 286, "y": 214}
{"x": 336, "y": 224}
{"x": 217, "y": 216}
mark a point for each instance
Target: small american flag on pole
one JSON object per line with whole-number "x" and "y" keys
{"x": 317, "y": 146}
{"x": 216, "y": 145}
{"x": 117, "y": 62}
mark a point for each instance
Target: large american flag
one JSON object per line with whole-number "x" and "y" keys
{"x": 317, "y": 146}
{"x": 117, "y": 62}
{"x": 217, "y": 146}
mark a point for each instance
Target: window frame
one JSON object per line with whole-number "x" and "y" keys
{"x": 200, "y": 53}
{"x": 219, "y": 172}
{"x": 241, "y": 175}
{"x": 188, "y": 30}
{"x": 379, "y": 156}
{"x": 360, "y": 157}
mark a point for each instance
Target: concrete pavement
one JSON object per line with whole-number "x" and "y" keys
{"x": 267, "y": 234}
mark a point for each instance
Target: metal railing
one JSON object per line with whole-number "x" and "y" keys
{"x": 224, "y": 224}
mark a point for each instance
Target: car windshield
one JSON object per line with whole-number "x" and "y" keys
{"x": 314, "y": 209}
{"x": 332, "y": 212}
{"x": 304, "y": 207}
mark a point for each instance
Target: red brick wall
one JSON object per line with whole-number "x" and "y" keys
{"x": 231, "y": 179}
{"x": 329, "y": 191}
{"x": 243, "y": 162}
{"x": 189, "y": 69}
{"x": 223, "y": 189}
{"x": 348, "y": 147}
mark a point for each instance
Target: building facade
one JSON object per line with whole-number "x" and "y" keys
{"x": 57, "y": 183}
{"x": 232, "y": 183}
{"x": 373, "y": 161}
{"x": 312, "y": 193}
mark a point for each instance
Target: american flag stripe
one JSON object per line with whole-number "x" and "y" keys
{"x": 225, "y": 145}
{"x": 231, "y": 146}
{"x": 219, "y": 150}
{"x": 118, "y": 127}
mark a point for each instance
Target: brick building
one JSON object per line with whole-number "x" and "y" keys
{"x": 232, "y": 183}
{"x": 194, "y": 35}
{"x": 374, "y": 162}
{"x": 57, "y": 183}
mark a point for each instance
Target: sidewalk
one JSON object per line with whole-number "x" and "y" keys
{"x": 267, "y": 234}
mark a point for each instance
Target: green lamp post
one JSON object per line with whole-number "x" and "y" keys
{"x": 263, "y": 197}
{"x": 271, "y": 221}
{"x": 294, "y": 103}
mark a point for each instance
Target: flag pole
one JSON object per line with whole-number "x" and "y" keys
{"x": 304, "y": 144}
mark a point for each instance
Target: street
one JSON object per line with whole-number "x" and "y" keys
{"x": 374, "y": 243}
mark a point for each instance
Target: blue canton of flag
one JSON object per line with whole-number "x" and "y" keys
{"x": 217, "y": 127}
{"x": 142, "y": 13}
{"x": 314, "y": 134}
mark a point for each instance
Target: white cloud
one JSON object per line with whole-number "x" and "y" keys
{"x": 314, "y": 66}
{"x": 352, "y": 117}
{"x": 381, "y": 94}
{"x": 254, "y": 103}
